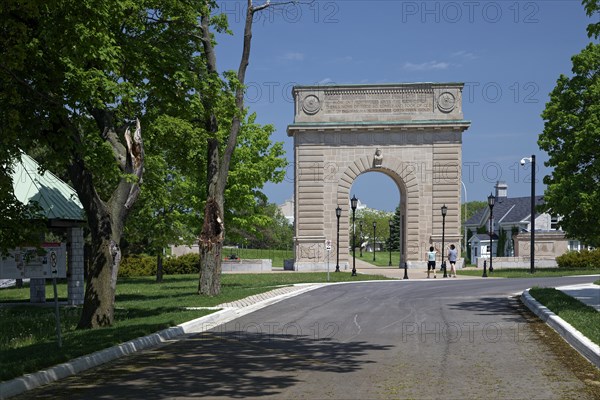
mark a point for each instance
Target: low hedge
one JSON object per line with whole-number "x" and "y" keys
{"x": 143, "y": 265}
{"x": 584, "y": 259}
{"x": 137, "y": 265}
{"x": 185, "y": 264}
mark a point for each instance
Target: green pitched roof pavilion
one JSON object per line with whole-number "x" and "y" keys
{"x": 57, "y": 199}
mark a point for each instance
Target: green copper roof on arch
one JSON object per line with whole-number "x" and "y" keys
{"x": 57, "y": 199}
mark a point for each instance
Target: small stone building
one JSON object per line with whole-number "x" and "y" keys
{"x": 64, "y": 212}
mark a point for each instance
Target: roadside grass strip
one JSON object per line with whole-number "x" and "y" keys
{"x": 579, "y": 315}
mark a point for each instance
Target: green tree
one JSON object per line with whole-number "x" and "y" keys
{"x": 170, "y": 206}
{"x": 273, "y": 232}
{"x": 502, "y": 239}
{"x": 571, "y": 137}
{"x": 255, "y": 161}
{"x": 592, "y": 8}
{"x": 368, "y": 216}
{"x": 393, "y": 241}
{"x": 223, "y": 132}
{"x": 472, "y": 208}
{"x": 75, "y": 78}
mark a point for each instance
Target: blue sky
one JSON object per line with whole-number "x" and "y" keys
{"x": 509, "y": 54}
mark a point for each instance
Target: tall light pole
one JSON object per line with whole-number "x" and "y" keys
{"x": 374, "y": 235}
{"x": 465, "y": 221}
{"x": 491, "y": 201}
{"x": 390, "y": 242}
{"x": 360, "y": 224}
{"x": 353, "y": 204}
{"x": 532, "y": 217}
{"x": 444, "y": 212}
{"x": 338, "y": 214}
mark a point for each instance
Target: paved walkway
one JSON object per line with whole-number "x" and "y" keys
{"x": 363, "y": 267}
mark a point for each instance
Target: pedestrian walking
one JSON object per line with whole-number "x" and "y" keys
{"x": 431, "y": 261}
{"x": 452, "y": 255}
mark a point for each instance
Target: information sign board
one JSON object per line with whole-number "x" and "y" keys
{"x": 29, "y": 262}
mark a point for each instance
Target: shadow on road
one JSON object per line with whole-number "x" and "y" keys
{"x": 215, "y": 364}
{"x": 490, "y": 306}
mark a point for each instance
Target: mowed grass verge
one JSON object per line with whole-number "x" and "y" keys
{"x": 581, "y": 316}
{"x": 28, "y": 337}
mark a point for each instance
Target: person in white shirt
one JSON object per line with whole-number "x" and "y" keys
{"x": 431, "y": 261}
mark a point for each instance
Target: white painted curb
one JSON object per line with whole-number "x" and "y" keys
{"x": 581, "y": 343}
{"x": 72, "y": 367}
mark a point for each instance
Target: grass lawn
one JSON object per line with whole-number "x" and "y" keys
{"x": 28, "y": 337}
{"x": 581, "y": 316}
{"x": 524, "y": 273}
{"x": 382, "y": 258}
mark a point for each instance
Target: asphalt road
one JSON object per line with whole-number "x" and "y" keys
{"x": 398, "y": 339}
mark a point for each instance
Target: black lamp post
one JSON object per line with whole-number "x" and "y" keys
{"x": 360, "y": 224}
{"x": 491, "y": 201}
{"x": 532, "y": 217}
{"x": 374, "y": 235}
{"x": 353, "y": 204}
{"x": 338, "y": 214}
{"x": 390, "y": 242}
{"x": 444, "y": 212}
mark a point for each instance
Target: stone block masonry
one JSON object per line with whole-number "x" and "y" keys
{"x": 338, "y": 130}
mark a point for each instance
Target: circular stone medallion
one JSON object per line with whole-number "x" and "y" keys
{"x": 311, "y": 104}
{"x": 446, "y": 102}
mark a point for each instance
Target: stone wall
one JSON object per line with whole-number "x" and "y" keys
{"x": 247, "y": 266}
{"x": 548, "y": 245}
{"x": 75, "y": 266}
{"x": 517, "y": 262}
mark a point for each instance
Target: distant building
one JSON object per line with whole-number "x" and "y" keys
{"x": 287, "y": 209}
{"x": 511, "y": 227}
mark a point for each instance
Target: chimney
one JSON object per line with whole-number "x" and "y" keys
{"x": 501, "y": 189}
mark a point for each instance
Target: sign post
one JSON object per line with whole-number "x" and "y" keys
{"x": 33, "y": 263}
{"x": 53, "y": 264}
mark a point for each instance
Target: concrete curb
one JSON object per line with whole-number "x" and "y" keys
{"x": 581, "y": 343}
{"x": 30, "y": 381}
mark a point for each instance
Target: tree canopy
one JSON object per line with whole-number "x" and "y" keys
{"x": 103, "y": 90}
{"x": 571, "y": 137}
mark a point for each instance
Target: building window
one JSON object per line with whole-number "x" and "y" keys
{"x": 574, "y": 245}
{"x": 554, "y": 223}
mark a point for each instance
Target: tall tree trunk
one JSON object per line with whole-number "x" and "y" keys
{"x": 211, "y": 246}
{"x": 213, "y": 229}
{"x": 106, "y": 221}
{"x": 101, "y": 283}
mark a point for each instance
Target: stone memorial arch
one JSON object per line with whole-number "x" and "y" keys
{"x": 412, "y": 132}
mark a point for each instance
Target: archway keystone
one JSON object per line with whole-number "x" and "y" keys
{"x": 410, "y": 132}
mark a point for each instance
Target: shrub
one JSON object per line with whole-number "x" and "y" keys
{"x": 137, "y": 265}
{"x": 584, "y": 259}
{"x": 185, "y": 264}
